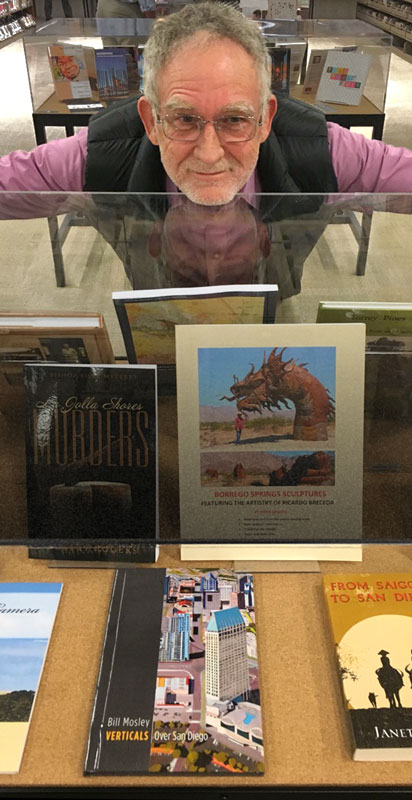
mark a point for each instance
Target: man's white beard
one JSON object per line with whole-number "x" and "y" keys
{"x": 206, "y": 194}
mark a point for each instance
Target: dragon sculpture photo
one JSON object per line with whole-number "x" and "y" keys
{"x": 278, "y": 382}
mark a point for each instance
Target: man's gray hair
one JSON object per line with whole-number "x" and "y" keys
{"x": 218, "y": 21}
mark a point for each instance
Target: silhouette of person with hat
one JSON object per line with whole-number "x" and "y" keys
{"x": 390, "y": 678}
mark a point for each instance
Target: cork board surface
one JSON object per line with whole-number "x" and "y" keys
{"x": 305, "y": 730}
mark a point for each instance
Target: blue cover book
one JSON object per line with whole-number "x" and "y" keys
{"x": 117, "y": 74}
{"x": 27, "y": 612}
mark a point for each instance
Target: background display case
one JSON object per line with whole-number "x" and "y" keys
{"x": 301, "y": 36}
{"x": 312, "y": 249}
{"x": 86, "y": 33}
{"x": 331, "y": 34}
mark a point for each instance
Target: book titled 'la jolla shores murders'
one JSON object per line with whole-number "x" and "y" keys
{"x": 91, "y": 452}
{"x": 192, "y": 704}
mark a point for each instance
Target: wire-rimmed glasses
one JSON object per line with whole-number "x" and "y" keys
{"x": 185, "y": 127}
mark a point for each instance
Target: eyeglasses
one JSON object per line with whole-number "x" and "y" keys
{"x": 183, "y": 127}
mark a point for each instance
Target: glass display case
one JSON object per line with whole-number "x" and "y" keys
{"x": 332, "y": 34}
{"x": 89, "y": 34}
{"x": 309, "y": 246}
{"x": 301, "y": 37}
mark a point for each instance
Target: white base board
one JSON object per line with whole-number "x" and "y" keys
{"x": 271, "y": 552}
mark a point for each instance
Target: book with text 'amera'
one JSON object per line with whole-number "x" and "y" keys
{"x": 27, "y": 612}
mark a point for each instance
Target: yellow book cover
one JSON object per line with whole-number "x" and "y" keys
{"x": 371, "y": 619}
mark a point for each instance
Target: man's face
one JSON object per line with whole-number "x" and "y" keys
{"x": 68, "y": 67}
{"x": 209, "y": 79}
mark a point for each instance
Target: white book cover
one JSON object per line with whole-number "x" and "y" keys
{"x": 314, "y": 70}
{"x": 297, "y": 53}
{"x": 74, "y": 71}
{"x": 270, "y": 421}
{"x": 344, "y": 77}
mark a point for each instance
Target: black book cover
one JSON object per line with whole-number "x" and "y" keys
{"x": 91, "y": 452}
{"x": 280, "y": 57}
{"x": 120, "y": 733}
{"x": 387, "y": 445}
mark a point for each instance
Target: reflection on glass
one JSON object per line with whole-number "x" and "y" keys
{"x": 68, "y": 252}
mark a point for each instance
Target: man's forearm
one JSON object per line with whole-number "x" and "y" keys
{"x": 368, "y": 165}
{"x": 57, "y": 166}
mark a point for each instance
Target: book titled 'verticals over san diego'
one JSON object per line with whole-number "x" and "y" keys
{"x": 178, "y": 688}
{"x": 91, "y": 452}
{"x": 371, "y": 618}
{"x": 27, "y": 612}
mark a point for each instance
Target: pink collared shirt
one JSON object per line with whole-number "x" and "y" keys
{"x": 360, "y": 165}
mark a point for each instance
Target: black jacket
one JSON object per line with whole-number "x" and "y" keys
{"x": 293, "y": 160}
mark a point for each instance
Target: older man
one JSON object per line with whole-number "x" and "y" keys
{"x": 209, "y": 125}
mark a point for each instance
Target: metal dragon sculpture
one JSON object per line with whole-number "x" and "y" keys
{"x": 277, "y": 382}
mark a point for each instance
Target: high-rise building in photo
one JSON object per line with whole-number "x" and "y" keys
{"x": 174, "y": 644}
{"x": 226, "y": 667}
